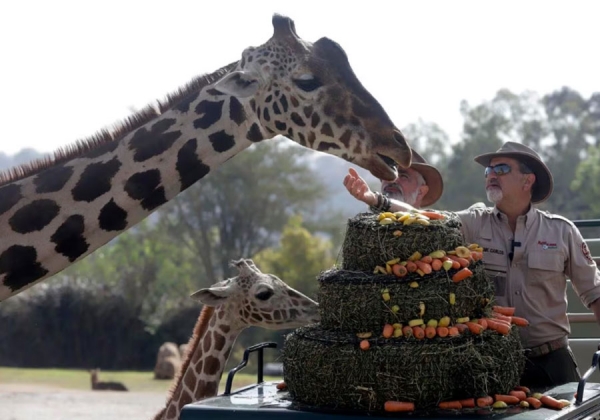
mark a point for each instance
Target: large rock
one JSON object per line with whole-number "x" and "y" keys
{"x": 168, "y": 361}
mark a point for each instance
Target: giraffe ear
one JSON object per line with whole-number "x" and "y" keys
{"x": 212, "y": 296}
{"x": 241, "y": 84}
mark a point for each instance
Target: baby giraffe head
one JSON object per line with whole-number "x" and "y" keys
{"x": 257, "y": 299}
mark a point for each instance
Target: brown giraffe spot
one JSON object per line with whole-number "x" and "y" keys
{"x": 112, "y": 217}
{"x": 266, "y": 115}
{"x": 324, "y": 146}
{"x": 221, "y": 141}
{"x": 9, "y": 196}
{"x": 267, "y": 316}
{"x": 326, "y": 130}
{"x": 294, "y": 102}
{"x": 281, "y": 126}
{"x": 221, "y": 314}
{"x": 210, "y": 111}
{"x": 315, "y": 120}
{"x": 276, "y": 109}
{"x": 206, "y": 343}
{"x": 357, "y": 149}
{"x": 95, "y": 180}
{"x": 219, "y": 341}
{"x": 147, "y": 144}
{"x": 345, "y": 138}
{"x": 308, "y": 111}
{"x": 190, "y": 380}
{"x": 290, "y": 133}
{"x": 311, "y": 139}
{"x": 145, "y": 187}
{"x": 225, "y": 328}
{"x": 196, "y": 356}
{"x": 296, "y": 118}
{"x": 284, "y": 102}
{"x": 189, "y": 167}
{"x": 52, "y": 179}
{"x": 214, "y": 92}
{"x": 254, "y": 133}
{"x": 184, "y": 104}
{"x": 177, "y": 393}
{"x": 236, "y": 111}
{"x": 256, "y": 317}
{"x": 294, "y": 302}
{"x": 213, "y": 321}
{"x": 172, "y": 412}
{"x": 301, "y": 139}
{"x": 200, "y": 387}
{"x": 69, "y": 238}
{"x": 339, "y": 120}
{"x": 186, "y": 398}
{"x": 200, "y": 365}
{"x": 277, "y": 315}
{"x": 21, "y": 267}
{"x": 253, "y": 105}
{"x": 212, "y": 365}
{"x": 270, "y": 130}
{"x": 268, "y": 99}
{"x": 211, "y": 388}
{"x": 34, "y": 216}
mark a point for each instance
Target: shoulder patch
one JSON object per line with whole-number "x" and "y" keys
{"x": 557, "y": 217}
{"x": 586, "y": 253}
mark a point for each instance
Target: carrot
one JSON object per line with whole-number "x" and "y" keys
{"x": 398, "y": 406}
{"x": 433, "y": 215}
{"x": 430, "y": 332}
{"x": 504, "y": 310}
{"x": 462, "y": 261}
{"x": 468, "y": 402}
{"x": 519, "y": 394}
{"x": 508, "y": 399}
{"x": 477, "y": 255}
{"x": 418, "y": 332}
{"x": 442, "y": 331}
{"x": 436, "y": 264}
{"x": 388, "y": 330}
{"x": 461, "y": 328}
{"x": 407, "y": 331}
{"x": 502, "y": 317}
{"x": 450, "y": 405}
{"x": 533, "y": 402}
{"x": 523, "y": 388}
{"x": 461, "y": 275}
{"x": 364, "y": 345}
{"x": 399, "y": 270}
{"x": 411, "y": 266}
{"x": 281, "y": 385}
{"x": 427, "y": 259}
{"x": 521, "y": 322}
{"x": 474, "y": 328}
{"x": 453, "y": 331}
{"x": 499, "y": 327}
{"x": 485, "y": 401}
{"x": 483, "y": 323}
{"x": 424, "y": 267}
{"x": 550, "y": 402}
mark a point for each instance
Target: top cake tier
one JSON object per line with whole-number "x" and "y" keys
{"x": 371, "y": 241}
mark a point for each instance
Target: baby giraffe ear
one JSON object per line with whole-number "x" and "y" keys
{"x": 241, "y": 84}
{"x": 212, "y": 296}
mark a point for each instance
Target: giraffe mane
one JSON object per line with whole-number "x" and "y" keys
{"x": 199, "y": 331}
{"x": 105, "y": 135}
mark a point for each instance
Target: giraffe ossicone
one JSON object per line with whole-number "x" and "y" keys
{"x": 251, "y": 299}
{"x": 56, "y": 211}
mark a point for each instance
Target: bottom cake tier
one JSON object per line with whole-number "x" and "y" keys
{"x": 326, "y": 369}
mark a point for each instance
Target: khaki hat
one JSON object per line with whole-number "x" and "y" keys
{"x": 542, "y": 188}
{"x": 433, "y": 179}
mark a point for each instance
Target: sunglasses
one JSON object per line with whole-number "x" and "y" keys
{"x": 499, "y": 170}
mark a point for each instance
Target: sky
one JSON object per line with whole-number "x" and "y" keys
{"x": 70, "y": 68}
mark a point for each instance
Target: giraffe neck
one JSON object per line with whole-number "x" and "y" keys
{"x": 66, "y": 211}
{"x": 208, "y": 351}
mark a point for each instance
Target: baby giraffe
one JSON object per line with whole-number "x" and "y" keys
{"x": 252, "y": 298}
{"x": 98, "y": 385}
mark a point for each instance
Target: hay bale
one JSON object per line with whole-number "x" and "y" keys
{"x": 327, "y": 370}
{"x": 368, "y": 244}
{"x": 352, "y": 301}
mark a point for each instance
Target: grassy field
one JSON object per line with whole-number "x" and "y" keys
{"x": 80, "y": 379}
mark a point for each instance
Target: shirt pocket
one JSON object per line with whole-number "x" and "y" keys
{"x": 495, "y": 269}
{"x": 545, "y": 267}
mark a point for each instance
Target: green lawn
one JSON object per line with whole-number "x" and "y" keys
{"x": 80, "y": 379}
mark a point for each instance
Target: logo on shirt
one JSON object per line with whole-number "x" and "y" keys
{"x": 586, "y": 253}
{"x": 547, "y": 245}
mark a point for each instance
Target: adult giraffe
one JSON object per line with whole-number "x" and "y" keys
{"x": 56, "y": 211}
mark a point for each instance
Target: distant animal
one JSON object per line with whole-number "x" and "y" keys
{"x": 102, "y": 386}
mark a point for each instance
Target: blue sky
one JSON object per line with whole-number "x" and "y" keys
{"x": 70, "y": 68}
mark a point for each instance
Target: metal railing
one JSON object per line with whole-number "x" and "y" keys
{"x": 593, "y": 244}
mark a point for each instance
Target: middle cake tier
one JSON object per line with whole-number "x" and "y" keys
{"x": 352, "y": 301}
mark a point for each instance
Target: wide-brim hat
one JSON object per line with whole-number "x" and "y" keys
{"x": 544, "y": 184}
{"x": 433, "y": 179}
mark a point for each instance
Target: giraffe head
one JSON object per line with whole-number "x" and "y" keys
{"x": 260, "y": 300}
{"x": 309, "y": 93}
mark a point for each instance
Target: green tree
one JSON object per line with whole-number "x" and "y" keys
{"x": 587, "y": 183}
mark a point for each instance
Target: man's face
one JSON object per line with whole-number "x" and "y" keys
{"x": 513, "y": 185}
{"x": 405, "y": 188}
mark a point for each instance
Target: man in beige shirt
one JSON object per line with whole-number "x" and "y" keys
{"x": 529, "y": 254}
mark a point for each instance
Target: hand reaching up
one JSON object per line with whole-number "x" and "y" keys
{"x": 359, "y": 188}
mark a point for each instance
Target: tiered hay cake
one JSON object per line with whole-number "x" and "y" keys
{"x": 403, "y": 319}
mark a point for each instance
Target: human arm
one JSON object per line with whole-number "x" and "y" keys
{"x": 359, "y": 189}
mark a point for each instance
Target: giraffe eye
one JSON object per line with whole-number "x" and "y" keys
{"x": 264, "y": 294}
{"x": 308, "y": 85}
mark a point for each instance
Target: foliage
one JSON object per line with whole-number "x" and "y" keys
{"x": 587, "y": 183}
